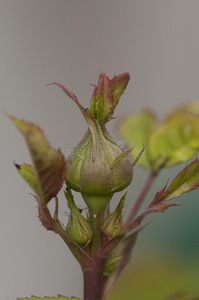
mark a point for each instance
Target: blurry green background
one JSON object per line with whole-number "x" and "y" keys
{"x": 71, "y": 42}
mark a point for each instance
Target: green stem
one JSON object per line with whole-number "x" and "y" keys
{"x": 96, "y": 219}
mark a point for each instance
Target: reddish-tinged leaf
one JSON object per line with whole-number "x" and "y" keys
{"x": 49, "y": 163}
{"x": 104, "y": 98}
{"x": 119, "y": 84}
{"x": 67, "y": 91}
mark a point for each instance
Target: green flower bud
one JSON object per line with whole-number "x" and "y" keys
{"x": 78, "y": 227}
{"x": 97, "y": 167}
{"x": 113, "y": 224}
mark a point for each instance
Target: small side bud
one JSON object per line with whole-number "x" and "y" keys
{"x": 78, "y": 227}
{"x": 113, "y": 224}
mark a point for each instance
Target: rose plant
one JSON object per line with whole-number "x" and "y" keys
{"x": 97, "y": 168}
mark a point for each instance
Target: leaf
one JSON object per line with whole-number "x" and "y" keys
{"x": 191, "y": 107}
{"x": 49, "y": 163}
{"x": 119, "y": 84}
{"x": 49, "y": 298}
{"x": 187, "y": 180}
{"x": 103, "y": 99}
{"x": 175, "y": 140}
{"x": 136, "y": 130}
{"x": 28, "y": 174}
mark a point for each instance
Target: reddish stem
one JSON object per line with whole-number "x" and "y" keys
{"x": 140, "y": 197}
{"x": 93, "y": 280}
{"x": 93, "y": 277}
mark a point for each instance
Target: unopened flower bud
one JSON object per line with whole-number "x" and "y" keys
{"x": 98, "y": 167}
{"x": 78, "y": 227}
{"x": 113, "y": 224}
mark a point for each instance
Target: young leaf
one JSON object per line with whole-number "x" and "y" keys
{"x": 28, "y": 174}
{"x": 49, "y": 163}
{"x": 104, "y": 98}
{"x": 119, "y": 84}
{"x": 136, "y": 131}
{"x": 175, "y": 140}
{"x": 187, "y": 180}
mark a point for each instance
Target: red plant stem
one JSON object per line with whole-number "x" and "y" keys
{"x": 93, "y": 280}
{"x": 140, "y": 197}
{"x": 93, "y": 277}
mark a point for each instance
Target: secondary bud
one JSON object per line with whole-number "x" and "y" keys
{"x": 77, "y": 227}
{"x": 113, "y": 224}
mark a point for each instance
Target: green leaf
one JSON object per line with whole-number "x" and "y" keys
{"x": 136, "y": 130}
{"x": 49, "y": 298}
{"x": 28, "y": 174}
{"x": 49, "y": 163}
{"x": 191, "y": 107}
{"x": 175, "y": 140}
{"x": 187, "y": 180}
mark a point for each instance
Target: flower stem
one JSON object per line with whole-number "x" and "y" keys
{"x": 93, "y": 280}
{"x": 96, "y": 219}
{"x": 93, "y": 277}
{"x": 141, "y": 197}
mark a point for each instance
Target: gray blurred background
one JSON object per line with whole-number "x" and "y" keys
{"x": 71, "y": 42}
